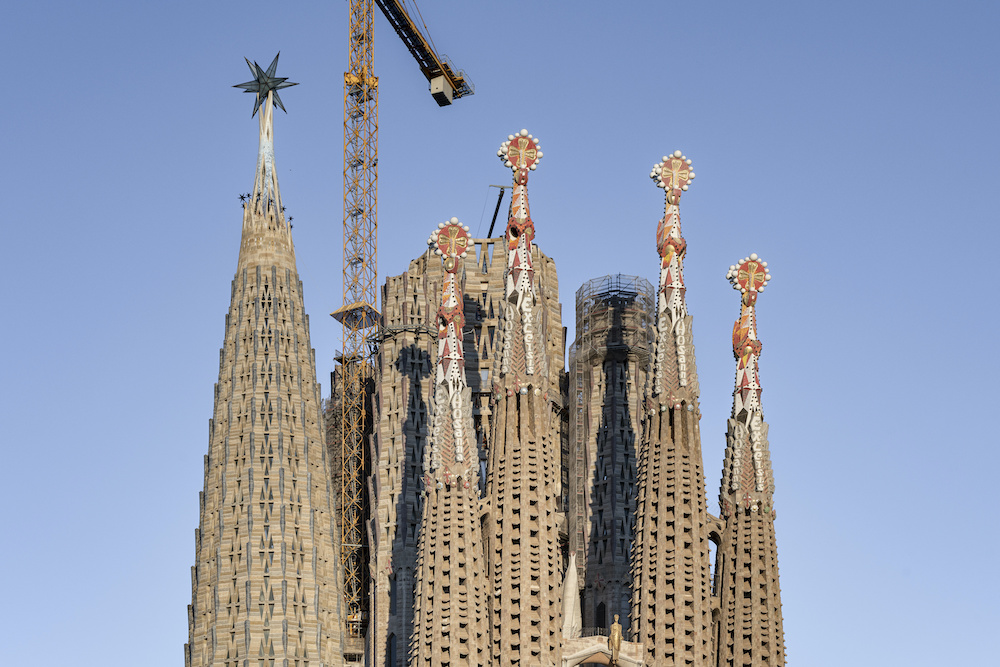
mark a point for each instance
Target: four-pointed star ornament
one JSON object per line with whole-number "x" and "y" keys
{"x": 263, "y": 83}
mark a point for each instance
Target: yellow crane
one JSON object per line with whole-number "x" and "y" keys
{"x": 359, "y": 314}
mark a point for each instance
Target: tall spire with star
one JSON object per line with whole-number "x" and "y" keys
{"x": 750, "y": 627}
{"x": 264, "y": 585}
{"x": 671, "y": 592}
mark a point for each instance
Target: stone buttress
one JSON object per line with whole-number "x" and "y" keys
{"x": 749, "y": 630}
{"x": 523, "y": 478}
{"x": 671, "y": 600}
{"x": 264, "y": 586}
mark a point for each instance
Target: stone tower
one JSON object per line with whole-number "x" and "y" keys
{"x": 449, "y": 617}
{"x": 407, "y": 366}
{"x": 264, "y": 586}
{"x": 523, "y": 476}
{"x": 609, "y": 364}
{"x": 749, "y": 628}
{"x": 671, "y": 603}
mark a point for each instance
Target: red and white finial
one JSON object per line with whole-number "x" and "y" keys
{"x": 673, "y": 172}
{"x": 451, "y": 241}
{"x": 520, "y": 151}
{"x": 749, "y": 277}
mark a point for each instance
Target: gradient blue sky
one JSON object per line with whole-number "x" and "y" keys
{"x": 852, "y": 144}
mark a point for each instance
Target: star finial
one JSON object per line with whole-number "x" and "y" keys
{"x": 264, "y": 82}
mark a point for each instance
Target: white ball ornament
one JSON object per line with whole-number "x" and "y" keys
{"x": 665, "y": 158}
{"x": 753, "y": 256}
{"x": 677, "y": 153}
{"x": 453, "y": 220}
{"x": 539, "y": 155}
{"x": 510, "y": 137}
{"x": 524, "y": 133}
{"x": 440, "y": 225}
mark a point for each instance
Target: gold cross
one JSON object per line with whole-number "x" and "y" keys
{"x": 455, "y": 242}
{"x": 518, "y": 155}
{"x": 676, "y": 173}
{"x": 752, "y": 275}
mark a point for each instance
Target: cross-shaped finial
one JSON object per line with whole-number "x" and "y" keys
{"x": 451, "y": 241}
{"x": 749, "y": 277}
{"x": 520, "y": 151}
{"x": 673, "y": 172}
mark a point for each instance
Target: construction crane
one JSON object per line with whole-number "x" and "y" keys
{"x": 359, "y": 315}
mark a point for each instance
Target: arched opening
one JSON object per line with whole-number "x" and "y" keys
{"x": 601, "y": 616}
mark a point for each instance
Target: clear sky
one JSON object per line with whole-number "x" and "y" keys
{"x": 851, "y": 144}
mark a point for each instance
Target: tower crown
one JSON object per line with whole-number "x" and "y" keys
{"x": 747, "y": 477}
{"x": 267, "y": 235}
{"x": 675, "y": 379}
{"x": 451, "y": 437}
{"x": 523, "y": 356}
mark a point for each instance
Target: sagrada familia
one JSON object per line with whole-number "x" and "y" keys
{"x": 521, "y": 512}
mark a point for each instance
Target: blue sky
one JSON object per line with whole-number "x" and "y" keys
{"x": 852, "y": 145}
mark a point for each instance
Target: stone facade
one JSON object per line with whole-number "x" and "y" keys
{"x": 408, "y": 358}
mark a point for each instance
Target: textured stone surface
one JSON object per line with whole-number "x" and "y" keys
{"x": 265, "y": 583}
{"x": 405, "y": 386}
{"x": 671, "y": 603}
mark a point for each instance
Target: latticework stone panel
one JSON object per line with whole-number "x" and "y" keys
{"x": 671, "y": 607}
{"x": 265, "y": 583}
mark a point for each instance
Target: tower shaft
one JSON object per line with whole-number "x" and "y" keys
{"x": 671, "y": 603}
{"x": 449, "y": 620}
{"x": 610, "y": 361}
{"x": 264, "y": 587}
{"x": 525, "y": 564}
{"x": 750, "y": 630}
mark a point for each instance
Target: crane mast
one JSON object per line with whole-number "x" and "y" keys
{"x": 359, "y": 315}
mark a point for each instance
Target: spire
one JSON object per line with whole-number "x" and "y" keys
{"x": 675, "y": 378}
{"x": 451, "y": 439}
{"x": 749, "y": 626}
{"x": 449, "y": 623}
{"x": 521, "y": 153}
{"x": 748, "y": 474}
{"x": 266, "y": 232}
{"x": 266, "y": 582}
{"x": 521, "y": 491}
{"x": 670, "y": 559}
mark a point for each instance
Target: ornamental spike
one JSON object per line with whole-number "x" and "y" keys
{"x": 747, "y": 476}
{"x": 451, "y": 439}
{"x": 749, "y": 278}
{"x": 521, "y": 153}
{"x": 675, "y": 377}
